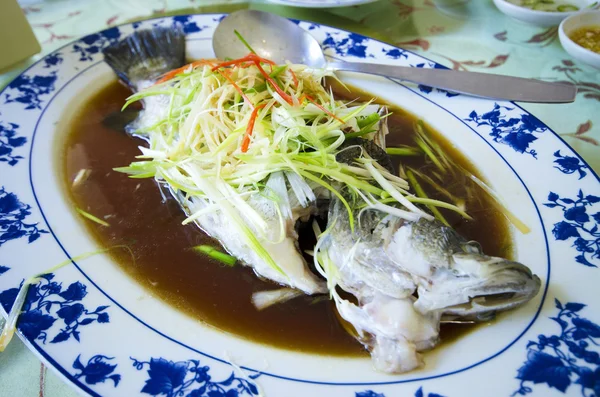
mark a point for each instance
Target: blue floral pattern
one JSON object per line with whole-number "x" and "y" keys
{"x": 427, "y": 89}
{"x": 191, "y": 379}
{"x": 94, "y": 43}
{"x": 4, "y": 269}
{"x": 47, "y": 302}
{"x": 52, "y": 60}
{"x": 10, "y": 141}
{"x": 565, "y": 359}
{"x": 516, "y": 132}
{"x": 97, "y": 370}
{"x": 578, "y": 224}
{"x": 418, "y": 393}
{"x": 30, "y": 89}
{"x": 395, "y": 53}
{"x": 368, "y": 393}
{"x": 347, "y": 44}
{"x": 569, "y": 164}
{"x": 12, "y": 219}
{"x": 187, "y": 24}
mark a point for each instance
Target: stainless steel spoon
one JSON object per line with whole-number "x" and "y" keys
{"x": 281, "y": 40}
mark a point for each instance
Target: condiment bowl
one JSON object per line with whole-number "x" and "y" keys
{"x": 572, "y": 23}
{"x": 539, "y": 17}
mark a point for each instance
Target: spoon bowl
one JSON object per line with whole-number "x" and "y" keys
{"x": 270, "y": 36}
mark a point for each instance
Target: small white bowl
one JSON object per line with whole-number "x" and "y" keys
{"x": 537, "y": 17}
{"x": 575, "y": 50}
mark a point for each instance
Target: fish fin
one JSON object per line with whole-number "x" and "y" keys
{"x": 146, "y": 54}
{"x": 380, "y": 135}
{"x": 378, "y": 154}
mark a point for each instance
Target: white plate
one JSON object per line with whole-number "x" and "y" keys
{"x": 108, "y": 336}
{"x": 321, "y": 3}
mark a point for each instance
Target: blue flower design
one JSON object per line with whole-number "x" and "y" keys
{"x": 344, "y": 44}
{"x": 421, "y": 393}
{"x": 567, "y": 358}
{"x": 395, "y": 53}
{"x": 97, "y": 370}
{"x": 12, "y": 217}
{"x": 578, "y": 224}
{"x": 10, "y": 141}
{"x": 569, "y": 164}
{"x": 187, "y": 24}
{"x": 91, "y": 45}
{"x": 369, "y": 393}
{"x": 47, "y": 302}
{"x": 52, "y": 60}
{"x": 4, "y": 269}
{"x": 30, "y": 89}
{"x": 427, "y": 89}
{"x": 418, "y": 393}
{"x": 190, "y": 378}
{"x": 516, "y": 132}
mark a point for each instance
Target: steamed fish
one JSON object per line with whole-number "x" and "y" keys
{"x": 251, "y": 149}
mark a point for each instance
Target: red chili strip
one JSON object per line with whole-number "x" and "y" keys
{"x": 169, "y": 75}
{"x": 323, "y": 109}
{"x": 294, "y": 78}
{"x": 250, "y": 128}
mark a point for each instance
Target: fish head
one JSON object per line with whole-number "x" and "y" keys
{"x": 477, "y": 286}
{"x": 453, "y": 275}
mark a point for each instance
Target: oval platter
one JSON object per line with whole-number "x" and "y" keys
{"x": 107, "y": 336}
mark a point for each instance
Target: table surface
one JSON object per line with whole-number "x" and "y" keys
{"x": 474, "y": 36}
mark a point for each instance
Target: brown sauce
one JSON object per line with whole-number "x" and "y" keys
{"x": 207, "y": 290}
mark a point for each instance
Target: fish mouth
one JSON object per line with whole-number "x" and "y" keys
{"x": 477, "y": 294}
{"x": 484, "y": 307}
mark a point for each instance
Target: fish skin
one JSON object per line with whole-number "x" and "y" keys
{"x": 366, "y": 268}
{"x": 453, "y": 275}
{"x": 282, "y": 249}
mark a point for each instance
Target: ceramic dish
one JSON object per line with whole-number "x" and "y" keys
{"x": 537, "y": 17}
{"x": 568, "y": 26}
{"x": 108, "y": 336}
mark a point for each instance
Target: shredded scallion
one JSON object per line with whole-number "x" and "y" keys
{"x": 91, "y": 217}
{"x": 216, "y": 254}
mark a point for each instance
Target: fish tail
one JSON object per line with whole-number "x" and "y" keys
{"x": 146, "y": 54}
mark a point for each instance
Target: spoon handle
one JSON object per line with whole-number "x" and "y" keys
{"x": 483, "y": 85}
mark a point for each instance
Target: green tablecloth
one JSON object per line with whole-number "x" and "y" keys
{"x": 471, "y": 36}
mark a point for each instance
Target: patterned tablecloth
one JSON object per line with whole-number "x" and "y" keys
{"x": 467, "y": 35}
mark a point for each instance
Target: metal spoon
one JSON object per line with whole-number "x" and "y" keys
{"x": 281, "y": 40}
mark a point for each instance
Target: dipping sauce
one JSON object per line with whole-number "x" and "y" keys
{"x": 588, "y": 37}
{"x": 220, "y": 295}
{"x": 546, "y": 5}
